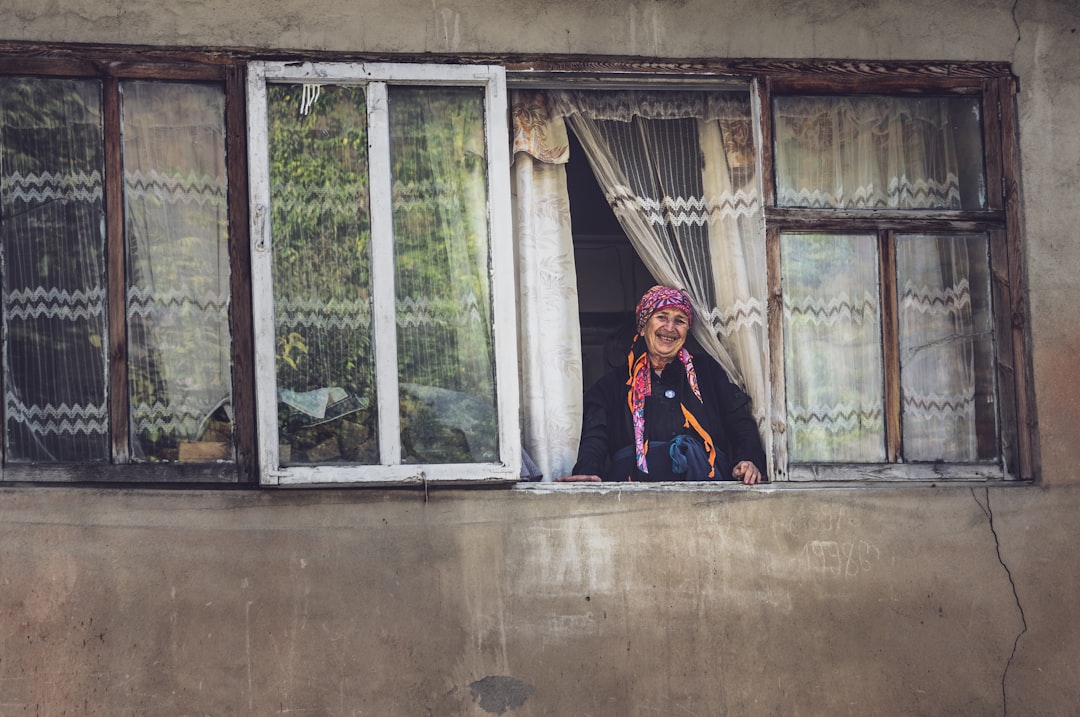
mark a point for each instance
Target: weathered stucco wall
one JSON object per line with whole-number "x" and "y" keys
{"x": 545, "y": 601}
{"x": 942, "y": 601}
{"x": 986, "y": 29}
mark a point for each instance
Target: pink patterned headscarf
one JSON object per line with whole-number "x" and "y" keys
{"x": 662, "y": 297}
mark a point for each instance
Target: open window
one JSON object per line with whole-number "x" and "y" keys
{"x": 853, "y": 252}
{"x": 676, "y": 167}
{"x": 610, "y": 274}
{"x": 382, "y": 273}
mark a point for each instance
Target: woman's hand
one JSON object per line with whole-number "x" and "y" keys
{"x": 578, "y": 479}
{"x": 747, "y": 472}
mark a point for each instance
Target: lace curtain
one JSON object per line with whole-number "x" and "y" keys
{"x": 51, "y": 233}
{"x": 899, "y": 153}
{"x": 549, "y": 333}
{"x": 56, "y": 347}
{"x": 679, "y": 171}
{"x": 832, "y": 348}
{"x": 878, "y": 153}
{"x": 946, "y": 345}
{"x": 179, "y": 355}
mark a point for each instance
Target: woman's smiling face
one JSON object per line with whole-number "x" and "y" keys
{"x": 664, "y": 334}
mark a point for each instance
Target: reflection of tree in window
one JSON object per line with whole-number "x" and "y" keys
{"x": 322, "y": 285}
{"x": 446, "y": 362}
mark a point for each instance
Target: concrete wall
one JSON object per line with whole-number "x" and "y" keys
{"x": 778, "y": 601}
{"x": 945, "y": 601}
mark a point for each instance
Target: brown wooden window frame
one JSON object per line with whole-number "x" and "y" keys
{"x": 996, "y": 88}
{"x": 111, "y": 68}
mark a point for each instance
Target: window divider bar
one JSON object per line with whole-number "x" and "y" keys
{"x": 384, "y": 312}
{"x": 1005, "y": 378}
{"x": 992, "y": 145}
{"x": 503, "y": 297}
{"x": 841, "y": 220}
{"x": 262, "y": 300}
{"x": 777, "y": 371}
{"x": 761, "y": 109}
{"x": 243, "y": 371}
{"x": 890, "y": 338}
{"x": 116, "y": 263}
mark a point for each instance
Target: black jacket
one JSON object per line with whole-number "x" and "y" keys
{"x": 725, "y": 414}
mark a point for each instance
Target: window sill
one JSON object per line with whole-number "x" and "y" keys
{"x": 771, "y": 487}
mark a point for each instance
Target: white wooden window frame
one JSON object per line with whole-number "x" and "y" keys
{"x": 376, "y": 77}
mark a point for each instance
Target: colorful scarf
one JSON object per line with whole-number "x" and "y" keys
{"x": 661, "y": 297}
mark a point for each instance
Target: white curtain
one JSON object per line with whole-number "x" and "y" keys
{"x": 55, "y": 348}
{"x": 945, "y": 342}
{"x": 882, "y": 153}
{"x": 547, "y": 289}
{"x": 678, "y": 169}
{"x": 832, "y": 348}
{"x": 873, "y": 152}
{"x": 179, "y": 356}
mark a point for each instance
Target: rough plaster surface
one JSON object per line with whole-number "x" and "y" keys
{"x": 661, "y": 28}
{"x": 1048, "y": 65}
{"x": 926, "y": 601}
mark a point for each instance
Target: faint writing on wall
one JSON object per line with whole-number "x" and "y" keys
{"x": 839, "y": 558}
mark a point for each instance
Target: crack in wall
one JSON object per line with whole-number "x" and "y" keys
{"x": 988, "y": 511}
{"x": 1016, "y": 23}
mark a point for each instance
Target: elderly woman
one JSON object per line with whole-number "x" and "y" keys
{"x": 669, "y": 415}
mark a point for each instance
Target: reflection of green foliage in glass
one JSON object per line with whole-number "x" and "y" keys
{"x": 321, "y": 234}
{"x": 442, "y": 271}
{"x": 319, "y": 186}
{"x": 321, "y": 242}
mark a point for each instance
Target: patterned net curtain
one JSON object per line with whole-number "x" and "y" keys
{"x": 832, "y": 348}
{"x": 946, "y": 348}
{"x": 320, "y": 218}
{"x": 179, "y": 355}
{"x": 678, "y": 169}
{"x": 550, "y": 333}
{"x": 878, "y": 153}
{"x": 51, "y": 234}
{"x": 884, "y": 153}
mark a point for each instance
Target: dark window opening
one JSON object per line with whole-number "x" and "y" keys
{"x": 610, "y": 274}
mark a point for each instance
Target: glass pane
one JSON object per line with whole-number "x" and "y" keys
{"x": 832, "y": 348}
{"x": 179, "y": 355}
{"x": 879, "y": 152}
{"x": 946, "y": 348}
{"x": 322, "y": 281}
{"x": 51, "y": 232}
{"x": 446, "y": 360}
